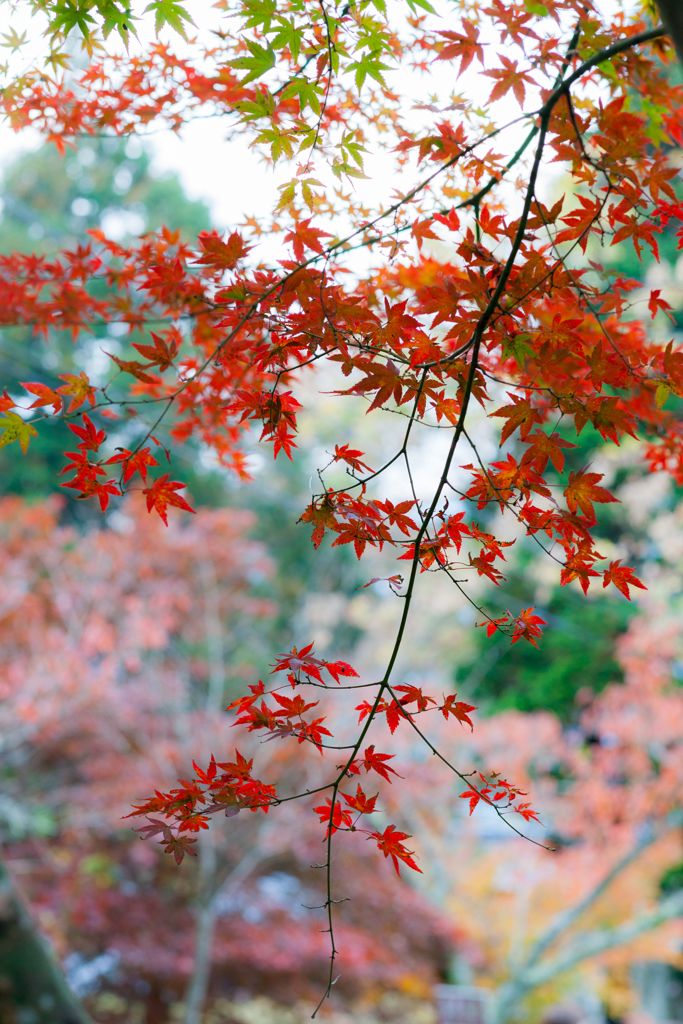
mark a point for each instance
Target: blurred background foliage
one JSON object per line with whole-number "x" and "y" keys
{"x": 49, "y": 200}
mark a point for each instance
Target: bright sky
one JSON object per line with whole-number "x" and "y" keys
{"x": 224, "y": 171}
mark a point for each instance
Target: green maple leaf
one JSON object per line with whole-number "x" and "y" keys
{"x": 169, "y": 12}
{"x": 262, "y": 59}
{"x": 15, "y": 429}
{"x": 14, "y": 41}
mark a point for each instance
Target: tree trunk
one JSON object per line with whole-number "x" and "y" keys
{"x": 30, "y": 974}
{"x": 671, "y": 13}
{"x": 199, "y": 983}
{"x": 205, "y": 921}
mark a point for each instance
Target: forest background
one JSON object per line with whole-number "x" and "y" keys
{"x": 123, "y": 922}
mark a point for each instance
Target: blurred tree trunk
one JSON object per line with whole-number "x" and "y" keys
{"x": 671, "y": 12}
{"x": 30, "y": 974}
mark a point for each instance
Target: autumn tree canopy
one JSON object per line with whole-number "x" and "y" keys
{"x": 524, "y": 140}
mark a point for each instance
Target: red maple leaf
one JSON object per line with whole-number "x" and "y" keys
{"x": 374, "y": 762}
{"x": 164, "y": 350}
{"x": 220, "y": 255}
{"x": 334, "y": 819}
{"x": 134, "y": 462}
{"x": 91, "y": 437}
{"x": 527, "y": 626}
{"x": 390, "y": 842}
{"x": 466, "y": 47}
{"x": 46, "y": 396}
{"x": 162, "y": 493}
{"x": 303, "y": 236}
{"x": 360, "y": 802}
{"x": 458, "y": 708}
{"x": 622, "y": 577}
{"x": 350, "y": 456}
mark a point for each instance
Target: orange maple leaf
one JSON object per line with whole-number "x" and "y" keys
{"x": 508, "y": 77}
{"x": 79, "y": 388}
{"x": 582, "y": 490}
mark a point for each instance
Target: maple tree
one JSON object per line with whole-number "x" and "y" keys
{"x": 609, "y": 894}
{"x": 110, "y": 680}
{"x": 476, "y": 295}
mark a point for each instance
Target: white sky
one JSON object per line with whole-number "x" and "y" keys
{"x": 225, "y": 172}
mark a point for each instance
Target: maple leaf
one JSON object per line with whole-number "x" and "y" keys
{"x": 449, "y": 220}
{"x": 293, "y": 705}
{"x": 179, "y": 846}
{"x": 303, "y": 236}
{"x": 135, "y": 369}
{"x": 334, "y": 819}
{"x": 162, "y": 493}
{"x": 622, "y": 577}
{"x": 414, "y": 695}
{"x": 466, "y": 47}
{"x": 79, "y": 388}
{"x": 314, "y": 731}
{"x": 14, "y": 428}
{"x": 221, "y": 255}
{"x": 393, "y": 581}
{"x": 340, "y": 668}
{"x": 527, "y": 626}
{"x": 91, "y": 438}
{"x": 163, "y": 351}
{"x": 544, "y": 447}
{"x": 46, "y": 396}
{"x": 508, "y": 77}
{"x": 483, "y": 563}
{"x": 527, "y": 813}
{"x": 7, "y": 402}
{"x": 638, "y": 232}
{"x": 422, "y": 229}
{"x": 457, "y": 529}
{"x": 580, "y": 221}
{"x": 493, "y": 625}
{"x": 103, "y": 491}
{"x": 655, "y": 303}
{"x": 607, "y": 417}
{"x": 297, "y": 661}
{"x": 458, "y": 709}
{"x": 351, "y": 456}
{"x": 582, "y": 490}
{"x": 377, "y": 763}
{"x": 578, "y": 568}
{"x": 134, "y": 462}
{"x": 520, "y": 414}
{"x": 321, "y": 517}
{"x": 397, "y": 515}
{"x": 473, "y": 796}
{"x": 390, "y": 842}
{"x": 360, "y": 802}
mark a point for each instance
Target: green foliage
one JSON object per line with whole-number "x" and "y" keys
{"x": 87, "y": 16}
{"x": 575, "y": 654}
{"x": 50, "y": 200}
{"x": 276, "y": 497}
{"x": 672, "y": 880}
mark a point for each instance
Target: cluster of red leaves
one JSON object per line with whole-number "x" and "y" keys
{"x": 189, "y": 808}
{"x": 228, "y": 787}
{"x": 501, "y": 794}
{"x": 395, "y": 709}
{"x": 420, "y": 337}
